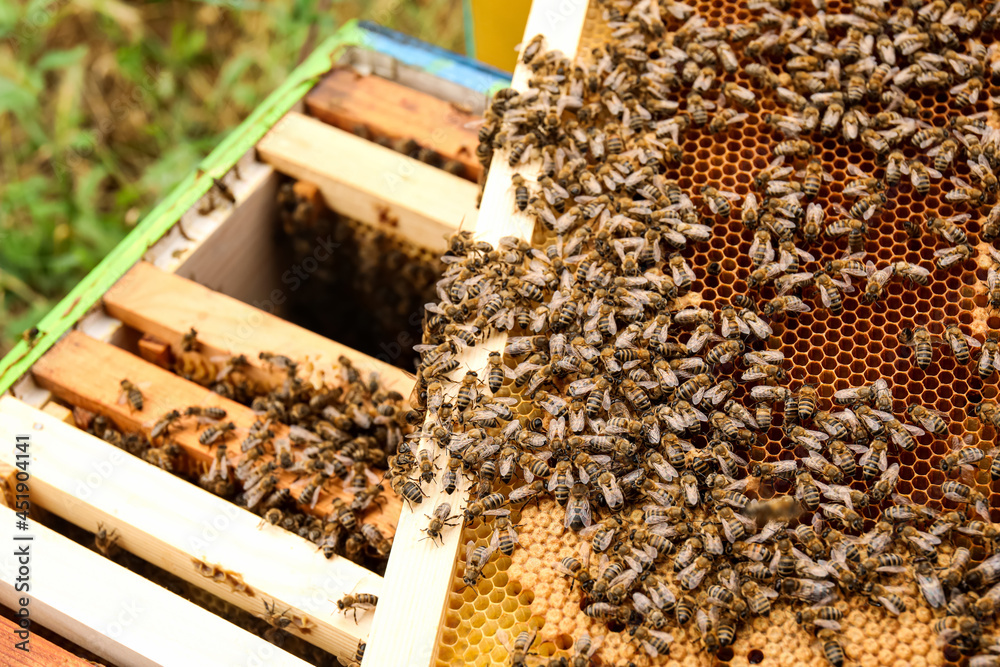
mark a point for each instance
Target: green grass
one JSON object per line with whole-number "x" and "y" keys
{"x": 105, "y": 105}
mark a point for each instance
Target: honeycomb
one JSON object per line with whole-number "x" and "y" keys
{"x": 535, "y": 596}
{"x": 854, "y": 348}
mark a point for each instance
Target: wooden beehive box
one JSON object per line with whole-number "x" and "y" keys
{"x": 342, "y": 129}
{"x": 189, "y": 265}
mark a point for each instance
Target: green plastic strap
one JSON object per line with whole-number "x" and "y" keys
{"x": 83, "y": 297}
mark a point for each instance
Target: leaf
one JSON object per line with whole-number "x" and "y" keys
{"x": 61, "y": 59}
{"x": 15, "y": 98}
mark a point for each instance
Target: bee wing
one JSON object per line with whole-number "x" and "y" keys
{"x": 796, "y": 305}
{"x": 794, "y": 280}
{"x": 753, "y": 373}
{"x": 846, "y": 395}
{"x": 582, "y": 386}
{"x": 758, "y": 327}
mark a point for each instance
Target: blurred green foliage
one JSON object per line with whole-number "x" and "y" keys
{"x": 105, "y": 105}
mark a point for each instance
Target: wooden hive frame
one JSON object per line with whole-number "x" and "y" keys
{"x": 197, "y": 261}
{"x": 407, "y": 626}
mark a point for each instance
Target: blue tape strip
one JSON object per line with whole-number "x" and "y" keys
{"x": 434, "y": 60}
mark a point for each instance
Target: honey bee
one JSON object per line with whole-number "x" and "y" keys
{"x": 963, "y": 192}
{"x": 886, "y": 482}
{"x": 442, "y": 518}
{"x": 520, "y": 192}
{"x": 609, "y": 612}
{"x": 922, "y": 343}
{"x": 931, "y": 420}
{"x": 991, "y": 226}
{"x": 854, "y": 229}
{"x": 718, "y": 200}
{"x": 577, "y": 508}
{"x": 989, "y": 357}
{"x": 930, "y": 585}
{"x": 953, "y": 575}
{"x": 920, "y": 175}
{"x": 277, "y": 622}
{"x": 407, "y": 488}
{"x": 163, "y": 457}
{"x": 814, "y": 177}
{"x": 876, "y": 142}
{"x": 948, "y": 229}
{"x": 352, "y": 602}
{"x": 828, "y": 617}
{"x": 106, "y": 542}
{"x": 848, "y": 517}
{"x": 518, "y": 649}
{"x": 960, "y": 343}
{"x": 216, "y": 433}
{"x": 988, "y": 412}
{"x": 654, "y": 642}
{"x": 130, "y": 392}
{"x": 189, "y": 341}
{"x": 894, "y": 168}
{"x": 830, "y": 291}
{"x": 163, "y": 424}
{"x": 882, "y": 596}
{"x": 376, "y": 540}
{"x": 724, "y": 118}
{"x": 785, "y": 304}
{"x": 531, "y": 51}
{"x": 984, "y": 574}
{"x": 832, "y": 649}
{"x": 794, "y": 148}
{"x": 808, "y": 590}
{"x": 504, "y": 536}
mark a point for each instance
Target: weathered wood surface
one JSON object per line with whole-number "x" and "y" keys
{"x": 87, "y": 373}
{"x": 389, "y": 112}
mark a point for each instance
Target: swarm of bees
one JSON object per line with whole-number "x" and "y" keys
{"x": 648, "y": 407}
{"x": 339, "y": 432}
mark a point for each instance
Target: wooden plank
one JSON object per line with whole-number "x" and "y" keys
{"x": 386, "y": 110}
{"x": 60, "y": 412}
{"x": 406, "y": 629}
{"x": 166, "y": 306}
{"x": 155, "y": 351}
{"x": 43, "y": 653}
{"x": 85, "y": 372}
{"x": 93, "y": 484}
{"x": 367, "y": 182}
{"x": 120, "y": 616}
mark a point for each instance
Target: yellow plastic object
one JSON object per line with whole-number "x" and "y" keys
{"x": 497, "y": 27}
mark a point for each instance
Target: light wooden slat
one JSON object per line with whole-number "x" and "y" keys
{"x": 561, "y": 24}
{"x": 60, "y": 412}
{"x": 387, "y": 110}
{"x": 118, "y": 615}
{"x": 406, "y": 629}
{"x": 166, "y": 306}
{"x": 43, "y": 653}
{"x": 367, "y": 182}
{"x": 86, "y": 373}
{"x": 92, "y": 483}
